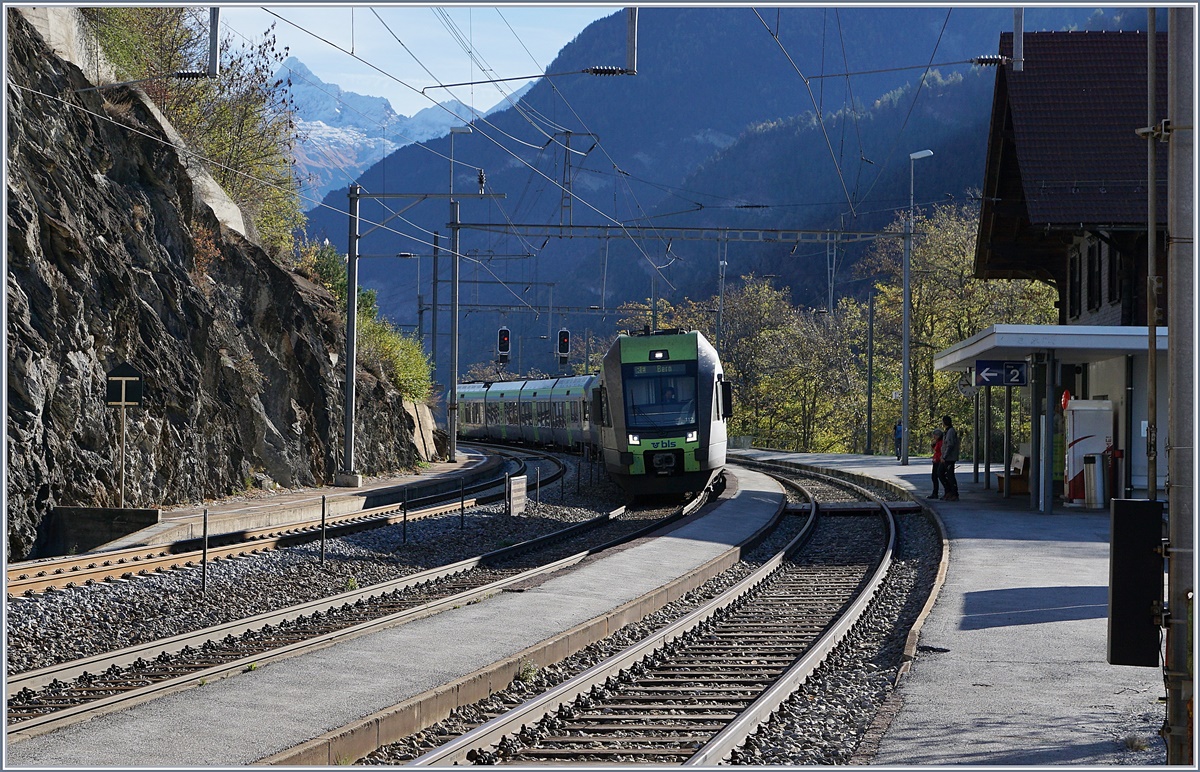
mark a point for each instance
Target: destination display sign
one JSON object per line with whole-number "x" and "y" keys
{"x": 678, "y": 368}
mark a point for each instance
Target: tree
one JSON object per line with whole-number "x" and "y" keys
{"x": 948, "y": 305}
{"x": 242, "y": 122}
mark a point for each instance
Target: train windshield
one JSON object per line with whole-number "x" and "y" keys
{"x": 660, "y": 395}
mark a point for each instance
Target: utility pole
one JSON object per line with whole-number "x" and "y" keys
{"x": 1152, "y": 279}
{"x": 452, "y": 402}
{"x": 1181, "y": 365}
{"x": 722, "y": 263}
{"x": 348, "y": 477}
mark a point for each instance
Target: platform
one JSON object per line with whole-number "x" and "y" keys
{"x": 269, "y": 508}
{"x": 1011, "y": 665}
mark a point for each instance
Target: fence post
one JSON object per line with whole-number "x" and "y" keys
{"x": 204, "y": 559}
{"x": 322, "y": 529}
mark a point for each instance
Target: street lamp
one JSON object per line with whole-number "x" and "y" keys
{"x": 907, "y": 323}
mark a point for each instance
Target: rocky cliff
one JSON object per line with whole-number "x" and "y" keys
{"x": 114, "y": 256}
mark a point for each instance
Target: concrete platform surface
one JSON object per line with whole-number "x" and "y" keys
{"x": 250, "y": 716}
{"x": 1011, "y": 666}
{"x": 261, "y": 509}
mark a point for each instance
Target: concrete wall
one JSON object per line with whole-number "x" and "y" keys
{"x": 72, "y": 530}
{"x": 64, "y": 32}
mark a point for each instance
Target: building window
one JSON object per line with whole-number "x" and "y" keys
{"x": 1093, "y": 276}
{"x": 1074, "y": 279}
{"x": 1114, "y": 275}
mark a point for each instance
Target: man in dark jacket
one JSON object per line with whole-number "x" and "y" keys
{"x": 950, "y": 448}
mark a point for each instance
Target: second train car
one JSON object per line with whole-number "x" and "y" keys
{"x": 656, "y": 414}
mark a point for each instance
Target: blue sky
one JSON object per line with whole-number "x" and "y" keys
{"x": 437, "y": 42}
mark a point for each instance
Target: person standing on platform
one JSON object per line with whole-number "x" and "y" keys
{"x": 937, "y": 461}
{"x": 898, "y": 436}
{"x": 950, "y": 449}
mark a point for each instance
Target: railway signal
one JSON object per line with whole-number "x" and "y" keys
{"x": 503, "y": 344}
{"x": 564, "y": 345}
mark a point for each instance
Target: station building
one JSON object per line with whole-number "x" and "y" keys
{"x": 1065, "y": 202}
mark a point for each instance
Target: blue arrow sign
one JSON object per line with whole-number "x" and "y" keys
{"x": 997, "y": 372}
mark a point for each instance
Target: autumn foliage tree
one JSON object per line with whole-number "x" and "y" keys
{"x": 801, "y": 375}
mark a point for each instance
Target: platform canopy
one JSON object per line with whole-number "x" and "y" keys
{"x": 1072, "y": 344}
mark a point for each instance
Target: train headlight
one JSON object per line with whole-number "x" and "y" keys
{"x": 635, "y": 440}
{"x": 693, "y": 435}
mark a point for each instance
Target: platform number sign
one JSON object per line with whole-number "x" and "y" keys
{"x": 997, "y": 372}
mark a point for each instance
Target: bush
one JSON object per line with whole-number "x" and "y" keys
{"x": 399, "y": 356}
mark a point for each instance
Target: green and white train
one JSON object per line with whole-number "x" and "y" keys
{"x": 656, "y": 414}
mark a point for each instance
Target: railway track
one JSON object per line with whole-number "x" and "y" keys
{"x": 49, "y": 698}
{"x": 29, "y": 578}
{"x": 692, "y": 692}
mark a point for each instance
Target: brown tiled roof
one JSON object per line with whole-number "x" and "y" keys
{"x": 1075, "y": 107}
{"x": 1063, "y": 154}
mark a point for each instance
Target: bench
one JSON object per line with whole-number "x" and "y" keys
{"x": 1020, "y": 475}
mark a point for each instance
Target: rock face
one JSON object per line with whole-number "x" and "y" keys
{"x": 113, "y": 257}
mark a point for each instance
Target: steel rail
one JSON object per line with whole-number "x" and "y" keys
{"x": 492, "y": 733}
{"x": 735, "y": 733}
{"x": 50, "y": 721}
{"x": 137, "y": 561}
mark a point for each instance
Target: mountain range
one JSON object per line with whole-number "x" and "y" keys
{"x": 796, "y": 118}
{"x": 342, "y": 133}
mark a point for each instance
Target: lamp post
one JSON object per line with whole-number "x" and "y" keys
{"x": 907, "y": 322}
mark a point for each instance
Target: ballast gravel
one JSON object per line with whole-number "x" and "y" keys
{"x": 64, "y": 625}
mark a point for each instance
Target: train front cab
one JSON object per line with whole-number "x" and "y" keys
{"x": 667, "y": 433}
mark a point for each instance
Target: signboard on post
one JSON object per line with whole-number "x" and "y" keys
{"x": 123, "y": 389}
{"x": 998, "y": 372}
{"x": 124, "y": 386}
{"x": 517, "y": 496}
